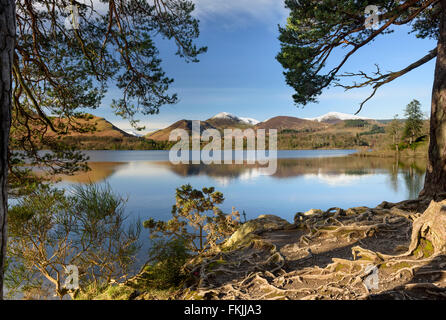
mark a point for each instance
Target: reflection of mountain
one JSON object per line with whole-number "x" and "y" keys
{"x": 99, "y": 172}
{"x": 288, "y": 168}
{"x": 331, "y": 171}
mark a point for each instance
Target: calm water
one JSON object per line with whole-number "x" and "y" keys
{"x": 304, "y": 180}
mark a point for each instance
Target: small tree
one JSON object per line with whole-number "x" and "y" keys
{"x": 50, "y": 231}
{"x": 191, "y": 211}
{"x": 164, "y": 269}
{"x": 414, "y": 122}
{"x": 394, "y": 131}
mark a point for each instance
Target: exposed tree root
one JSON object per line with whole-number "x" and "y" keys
{"x": 413, "y": 270}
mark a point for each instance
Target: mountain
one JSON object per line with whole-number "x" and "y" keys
{"x": 230, "y": 118}
{"x": 250, "y": 121}
{"x": 97, "y": 134}
{"x": 133, "y": 133}
{"x": 290, "y": 123}
{"x": 226, "y": 120}
{"x": 333, "y": 117}
{"x": 325, "y": 132}
{"x": 102, "y": 128}
{"x": 163, "y": 134}
{"x": 220, "y": 121}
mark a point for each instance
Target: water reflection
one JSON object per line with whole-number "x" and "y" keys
{"x": 99, "y": 171}
{"x": 332, "y": 171}
{"x": 298, "y": 185}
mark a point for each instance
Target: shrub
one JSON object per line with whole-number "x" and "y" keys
{"x": 191, "y": 211}
{"x": 355, "y": 123}
{"x": 49, "y": 231}
{"x": 164, "y": 268}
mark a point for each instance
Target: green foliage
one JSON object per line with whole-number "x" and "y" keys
{"x": 191, "y": 211}
{"x": 414, "y": 123}
{"x": 320, "y": 38}
{"x": 49, "y": 230}
{"x": 294, "y": 131}
{"x": 393, "y": 129}
{"x": 356, "y": 123}
{"x": 59, "y": 73}
{"x": 374, "y": 130}
{"x": 320, "y": 140}
{"x": 164, "y": 269}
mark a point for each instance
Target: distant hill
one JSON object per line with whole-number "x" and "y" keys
{"x": 99, "y": 134}
{"x": 332, "y": 130}
{"x": 163, "y": 134}
{"x": 228, "y": 117}
{"x": 89, "y": 126}
{"x": 334, "y": 117}
{"x": 290, "y": 123}
{"x": 220, "y": 121}
{"x": 133, "y": 133}
{"x": 103, "y": 128}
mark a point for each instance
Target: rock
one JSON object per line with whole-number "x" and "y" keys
{"x": 251, "y": 229}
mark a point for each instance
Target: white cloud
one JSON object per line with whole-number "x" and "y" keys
{"x": 242, "y": 11}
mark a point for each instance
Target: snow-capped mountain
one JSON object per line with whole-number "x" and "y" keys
{"x": 229, "y": 116}
{"x": 133, "y": 133}
{"x": 333, "y": 116}
{"x": 250, "y": 121}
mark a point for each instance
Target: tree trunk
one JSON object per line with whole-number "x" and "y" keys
{"x": 435, "y": 182}
{"x": 7, "y": 42}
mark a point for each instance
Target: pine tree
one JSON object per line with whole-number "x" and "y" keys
{"x": 59, "y": 57}
{"x": 414, "y": 123}
{"x": 322, "y": 36}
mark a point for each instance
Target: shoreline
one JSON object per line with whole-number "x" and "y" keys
{"x": 321, "y": 255}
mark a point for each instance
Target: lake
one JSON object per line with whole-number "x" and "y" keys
{"x": 305, "y": 179}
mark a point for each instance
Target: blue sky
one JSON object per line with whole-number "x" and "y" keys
{"x": 239, "y": 73}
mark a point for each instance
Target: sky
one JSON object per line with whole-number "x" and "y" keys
{"x": 240, "y": 75}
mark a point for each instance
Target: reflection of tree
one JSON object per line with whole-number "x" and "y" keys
{"x": 414, "y": 178}
{"x": 393, "y": 175}
{"x": 412, "y": 171}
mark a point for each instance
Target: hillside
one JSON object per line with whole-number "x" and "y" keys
{"x": 324, "y": 132}
{"x": 163, "y": 134}
{"x": 100, "y": 128}
{"x": 335, "y": 117}
{"x": 94, "y": 133}
{"x": 330, "y": 131}
{"x": 221, "y": 123}
{"x": 290, "y": 123}
{"x": 234, "y": 119}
